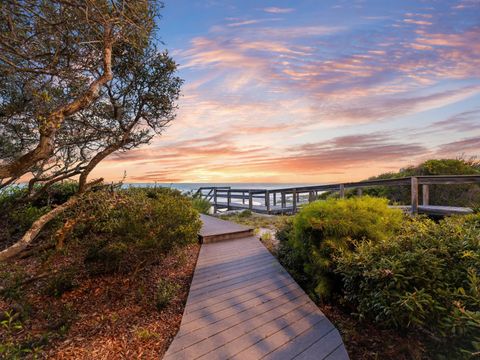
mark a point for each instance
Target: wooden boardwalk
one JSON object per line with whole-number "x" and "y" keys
{"x": 288, "y": 200}
{"x": 244, "y": 305}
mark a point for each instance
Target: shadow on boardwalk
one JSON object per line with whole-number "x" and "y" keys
{"x": 243, "y": 305}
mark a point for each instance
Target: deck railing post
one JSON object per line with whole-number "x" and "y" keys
{"x": 250, "y": 200}
{"x": 267, "y": 201}
{"x": 229, "y": 199}
{"x": 342, "y": 191}
{"x": 215, "y": 201}
{"x": 243, "y": 197}
{"x": 294, "y": 193}
{"x": 283, "y": 200}
{"x": 425, "y": 195}
{"x": 359, "y": 192}
{"x": 414, "y": 194}
{"x": 274, "y": 199}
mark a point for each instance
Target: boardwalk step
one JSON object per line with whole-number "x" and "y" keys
{"x": 214, "y": 230}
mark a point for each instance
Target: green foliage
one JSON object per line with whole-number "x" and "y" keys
{"x": 11, "y": 283}
{"x": 134, "y": 224}
{"x": 164, "y": 293}
{"x": 453, "y": 195}
{"x": 201, "y": 205}
{"x": 245, "y": 214}
{"x": 427, "y": 278}
{"x": 61, "y": 283}
{"x": 323, "y": 228}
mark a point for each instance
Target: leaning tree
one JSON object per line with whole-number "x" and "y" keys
{"x": 135, "y": 103}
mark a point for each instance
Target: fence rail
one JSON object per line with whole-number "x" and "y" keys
{"x": 287, "y": 200}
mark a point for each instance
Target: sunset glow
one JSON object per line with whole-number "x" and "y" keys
{"x": 313, "y": 91}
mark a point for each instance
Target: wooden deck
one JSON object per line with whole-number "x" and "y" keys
{"x": 244, "y": 305}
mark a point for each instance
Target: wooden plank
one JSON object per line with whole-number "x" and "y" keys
{"x": 425, "y": 195}
{"x": 414, "y": 195}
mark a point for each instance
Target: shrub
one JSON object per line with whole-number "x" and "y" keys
{"x": 451, "y": 195}
{"x": 121, "y": 227}
{"x": 164, "y": 293}
{"x": 245, "y": 214}
{"x": 426, "y": 278}
{"x": 60, "y": 283}
{"x": 201, "y": 205}
{"x": 323, "y": 228}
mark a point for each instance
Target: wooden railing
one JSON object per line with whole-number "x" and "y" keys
{"x": 287, "y": 200}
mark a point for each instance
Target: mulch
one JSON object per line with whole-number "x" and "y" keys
{"x": 110, "y": 316}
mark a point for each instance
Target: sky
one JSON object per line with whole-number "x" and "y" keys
{"x": 313, "y": 91}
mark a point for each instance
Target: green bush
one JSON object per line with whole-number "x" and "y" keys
{"x": 323, "y": 228}
{"x": 201, "y": 205}
{"x": 134, "y": 223}
{"x": 426, "y": 278}
{"x": 164, "y": 293}
{"x": 60, "y": 283}
{"x": 447, "y": 195}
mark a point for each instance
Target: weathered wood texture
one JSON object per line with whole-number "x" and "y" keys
{"x": 243, "y": 305}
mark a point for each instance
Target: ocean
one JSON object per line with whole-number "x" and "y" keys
{"x": 191, "y": 187}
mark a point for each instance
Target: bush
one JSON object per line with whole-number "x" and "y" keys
{"x": 447, "y": 195}
{"x": 425, "y": 278}
{"x": 119, "y": 228}
{"x": 165, "y": 293}
{"x": 60, "y": 283}
{"x": 323, "y": 228}
{"x": 201, "y": 205}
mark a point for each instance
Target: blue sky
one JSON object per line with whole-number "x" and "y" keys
{"x": 314, "y": 91}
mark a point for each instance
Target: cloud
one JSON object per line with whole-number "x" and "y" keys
{"x": 278, "y": 10}
{"x": 465, "y": 146}
{"x": 280, "y": 101}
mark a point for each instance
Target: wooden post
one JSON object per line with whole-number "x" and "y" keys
{"x": 274, "y": 199}
{"x": 414, "y": 193}
{"x": 243, "y": 197}
{"x": 359, "y": 192}
{"x": 215, "y": 207}
{"x": 284, "y": 200}
{"x": 311, "y": 196}
{"x": 229, "y": 199}
{"x": 294, "y": 193}
{"x": 425, "y": 195}
{"x": 267, "y": 201}
{"x": 342, "y": 191}
{"x": 250, "y": 200}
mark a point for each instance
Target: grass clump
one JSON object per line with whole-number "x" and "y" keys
{"x": 61, "y": 283}
{"x": 201, "y": 205}
{"x": 165, "y": 293}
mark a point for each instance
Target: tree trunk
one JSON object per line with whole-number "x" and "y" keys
{"x": 35, "y": 229}
{"x": 39, "y": 224}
